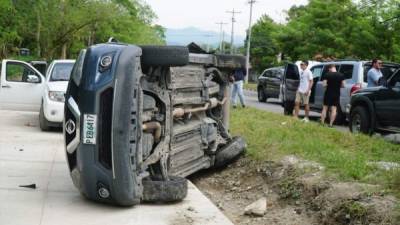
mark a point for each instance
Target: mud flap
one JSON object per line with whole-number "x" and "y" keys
{"x": 230, "y": 151}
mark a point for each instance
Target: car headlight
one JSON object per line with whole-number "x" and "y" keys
{"x": 57, "y": 96}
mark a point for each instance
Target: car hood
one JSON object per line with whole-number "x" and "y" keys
{"x": 58, "y": 86}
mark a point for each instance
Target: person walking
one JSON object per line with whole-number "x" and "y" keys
{"x": 304, "y": 91}
{"x": 237, "y": 79}
{"x": 375, "y": 74}
{"x": 332, "y": 81}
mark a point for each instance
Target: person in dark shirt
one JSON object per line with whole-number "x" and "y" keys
{"x": 237, "y": 89}
{"x": 333, "y": 81}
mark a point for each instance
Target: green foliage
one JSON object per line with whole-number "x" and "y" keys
{"x": 362, "y": 29}
{"x": 264, "y": 43}
{"x": 60, "y": 28}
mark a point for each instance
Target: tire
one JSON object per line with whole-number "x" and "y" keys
{"x": 360, "y": 121}
{"x": 168, "y": 56}
{"x": 288, "y": 108}
{"x": 43, "y": 123}
{"x": 229, "y": 152}
{"x": 158, "y": 190}
{"x": 261, "y": 95}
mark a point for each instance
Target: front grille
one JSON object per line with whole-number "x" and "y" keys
{"x": 105, "y": 123}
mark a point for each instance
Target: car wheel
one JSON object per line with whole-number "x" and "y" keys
{"x": 159, "y": 190}
{"x": 288, "y": 108}
{"x": 165, "y": 56}
{"x": 43, "y": 123}
{"x": 360, "y": 121}
{"x": 230, "y": 152}
{"x": 261, "y": 95}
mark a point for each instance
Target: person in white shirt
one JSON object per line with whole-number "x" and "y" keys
{"x": 304, "y": 91}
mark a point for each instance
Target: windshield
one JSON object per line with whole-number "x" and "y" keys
{"x": 61, "y": 72}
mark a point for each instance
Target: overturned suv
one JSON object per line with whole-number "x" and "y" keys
{"x": 139, "y": 119}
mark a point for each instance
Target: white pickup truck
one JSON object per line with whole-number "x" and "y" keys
{"x": 21, "y": 86}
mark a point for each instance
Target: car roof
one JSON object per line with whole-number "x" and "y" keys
{"x": 64, "y": 61}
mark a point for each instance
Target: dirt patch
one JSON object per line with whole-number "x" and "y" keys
{"x": 297, "y": 193}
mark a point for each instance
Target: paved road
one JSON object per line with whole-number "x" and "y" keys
{"x": 274, "y": 105}
{"x": 29, "y": 156}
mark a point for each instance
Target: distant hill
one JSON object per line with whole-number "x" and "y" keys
{"x": 191, "y": 34}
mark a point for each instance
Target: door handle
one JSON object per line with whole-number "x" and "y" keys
{"x": 5, "y": 86}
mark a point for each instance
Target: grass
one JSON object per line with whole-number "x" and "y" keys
{"x": 250, "y": 86}
{"x": 271, "y": 136}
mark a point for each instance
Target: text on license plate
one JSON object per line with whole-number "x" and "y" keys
{"x": 89, "y": 129}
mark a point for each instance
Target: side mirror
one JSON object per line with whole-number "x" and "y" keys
{"x": 33, "y": 79}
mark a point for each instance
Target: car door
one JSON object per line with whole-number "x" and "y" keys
{"x": 21, "y": 86}
{"x": 269, "y": 82}
{"x": 262, "y": 80}
{"x": 319, "y": 89}
{"x": 290, "y": 82}
{"x": 275, "y": 82}
{"x": 387, "y": 103}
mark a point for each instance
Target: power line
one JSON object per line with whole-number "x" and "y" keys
{"x": 233, "y": 12}
{"x": 221, "y": 24}
{"x": 251, "y": 2}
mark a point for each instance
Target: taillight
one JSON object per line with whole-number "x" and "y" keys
{"x": 355, "y": 88}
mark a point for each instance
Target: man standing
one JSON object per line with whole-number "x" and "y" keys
{"x": 238, "y": 76}
{"x": 375, "y": 73}
{"x": 333, "y": 81}
{"x": 304, "y": 91}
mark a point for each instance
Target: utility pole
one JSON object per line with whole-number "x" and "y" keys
{"x": 251, "y": 2}
{"x": 233, "y": 12}
{"x": 221, "y": 24}
{"x": 223, "y": 42}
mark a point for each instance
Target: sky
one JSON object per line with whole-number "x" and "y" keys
{"x": 204, "y": 14}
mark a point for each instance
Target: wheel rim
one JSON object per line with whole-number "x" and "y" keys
{"x": 356, "y": 124}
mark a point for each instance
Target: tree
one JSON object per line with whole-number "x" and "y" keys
{"x": 264, "y": 43}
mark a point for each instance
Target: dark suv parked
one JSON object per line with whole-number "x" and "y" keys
{"x": 139, "y": 119}
{"x": 269, "y": 83}
{"x": 377, "y": 108}
{"x": 355, "y": 73}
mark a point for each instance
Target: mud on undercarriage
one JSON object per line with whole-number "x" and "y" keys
{"x": 138, "y": 119}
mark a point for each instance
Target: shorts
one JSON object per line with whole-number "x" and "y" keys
{"x": 302, "y": 98}
{"x": 331, "y": 99}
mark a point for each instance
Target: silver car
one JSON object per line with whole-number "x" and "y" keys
{"x": 355, "y": 73}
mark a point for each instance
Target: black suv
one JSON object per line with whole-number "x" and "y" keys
{"x": 269, "y": 83}
{"x": 377, "y": 108}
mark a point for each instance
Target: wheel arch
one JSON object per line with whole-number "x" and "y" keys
{"x": 366, "y": 103}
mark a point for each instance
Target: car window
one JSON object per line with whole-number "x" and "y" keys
{"x": 395, "y": 80}
{"x": 317, "y": 71}
{"x": 347, "y": 71}
{"x": 268, "y": 73}
{"x": 264, "y": 74}
{"x": 292, "y": 72}
{"x": 18, "y": 72}
{"x": 387, "y": 70}
{"x": 326, "y": 70}
{"x": 61, "y": 72}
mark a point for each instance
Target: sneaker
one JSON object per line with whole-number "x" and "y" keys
{"x": 305, "y": 120}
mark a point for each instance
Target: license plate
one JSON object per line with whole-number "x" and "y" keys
{"x": 89, "y": 129}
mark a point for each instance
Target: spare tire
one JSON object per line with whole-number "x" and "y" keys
{"x": 164, "y": 56}
{"x": 159, "y": 190}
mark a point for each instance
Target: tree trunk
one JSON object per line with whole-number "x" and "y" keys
{"x": 64, "y": 51}
{"x": 39, "y": 27}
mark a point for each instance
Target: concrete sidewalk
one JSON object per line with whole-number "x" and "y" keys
{"x": 29, "y": 156}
